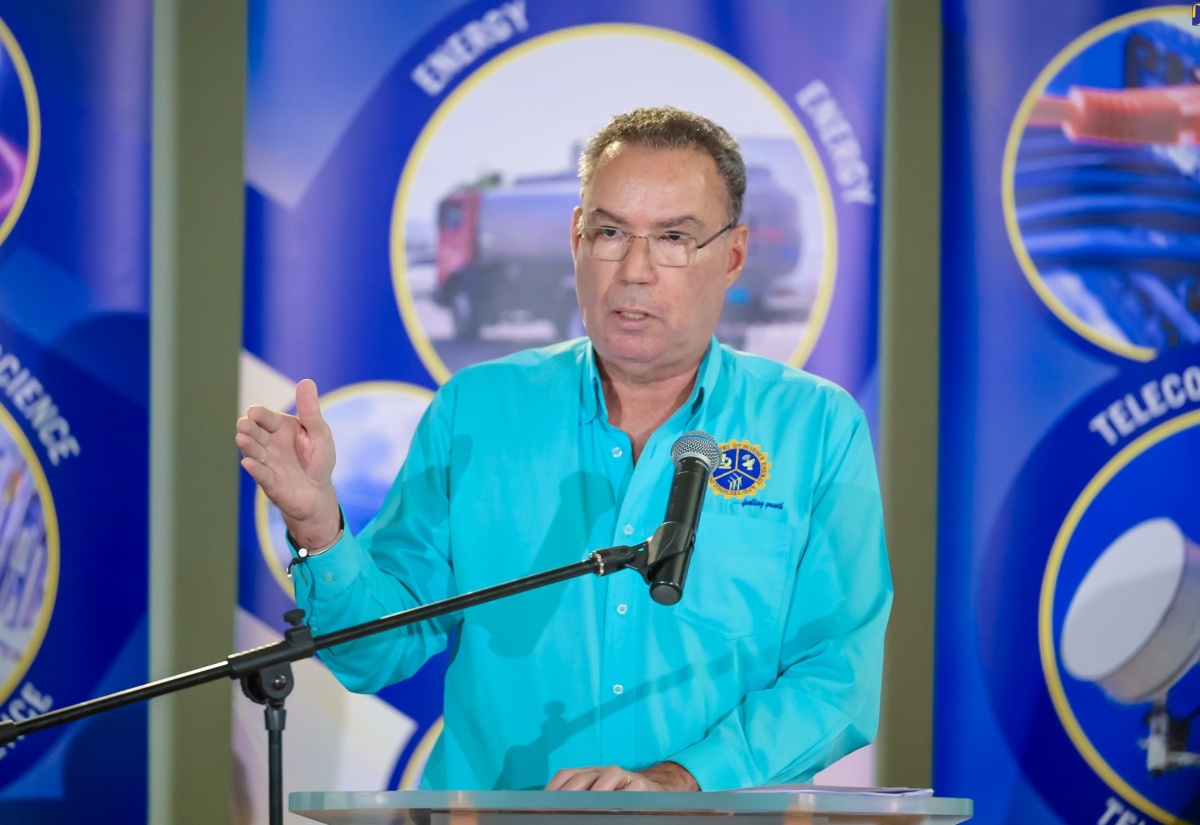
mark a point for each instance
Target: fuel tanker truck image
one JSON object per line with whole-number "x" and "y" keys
{"x": 504, "y": 254}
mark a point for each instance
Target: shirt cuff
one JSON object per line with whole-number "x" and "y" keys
{"x": 715, "y": 764}
{"x": 335, "y": 568}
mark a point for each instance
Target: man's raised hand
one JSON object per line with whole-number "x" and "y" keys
{"x": 291, "y": 457}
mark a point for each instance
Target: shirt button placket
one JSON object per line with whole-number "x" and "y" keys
{"x": 621, "y": 636}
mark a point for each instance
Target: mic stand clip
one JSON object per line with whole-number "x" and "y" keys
{"x": 646, "y": 558}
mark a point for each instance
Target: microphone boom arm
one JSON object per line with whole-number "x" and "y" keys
{"x": 265, "y": 672}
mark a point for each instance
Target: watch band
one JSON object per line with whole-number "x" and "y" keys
{"x": 303, "y": 554}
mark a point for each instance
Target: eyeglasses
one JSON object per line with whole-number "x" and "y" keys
{"x": 607, "y": 243}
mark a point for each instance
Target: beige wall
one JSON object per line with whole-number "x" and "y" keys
{"x": 195, "y": 336}
{"x": 909, "y": 368}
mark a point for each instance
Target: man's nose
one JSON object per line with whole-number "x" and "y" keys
{"x": 637, "y": 266}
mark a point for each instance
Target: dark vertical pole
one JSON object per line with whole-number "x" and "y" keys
{"x": 276, "y": 719}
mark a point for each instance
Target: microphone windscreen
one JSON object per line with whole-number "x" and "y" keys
{"x": 696, "y": 444}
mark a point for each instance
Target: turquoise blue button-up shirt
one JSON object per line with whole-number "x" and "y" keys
{"x": 766, "y": 671}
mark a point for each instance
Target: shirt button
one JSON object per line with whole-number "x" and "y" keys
{"x": 618, "y": 452}
{"x": 627, "y": 529}
{"x": 622, "y": 609}
{"x": 618, "y": 689}
{"x": 327, "y": 577}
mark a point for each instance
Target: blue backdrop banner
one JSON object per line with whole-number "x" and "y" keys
{"x": 74, "y": 368}
{"x": 411, "y": 172}
{"x": 1069, "y": 536}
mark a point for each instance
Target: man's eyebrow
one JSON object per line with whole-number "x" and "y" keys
{"x": 603, "y": 214}
{"x": 690, "y": 221}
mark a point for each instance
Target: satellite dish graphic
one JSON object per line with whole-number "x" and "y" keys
{"x": 1133, "y": 629}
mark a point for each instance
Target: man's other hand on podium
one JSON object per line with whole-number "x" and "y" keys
{"x": 665, "y": 776}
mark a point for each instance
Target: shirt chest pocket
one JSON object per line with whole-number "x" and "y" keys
{"x": 737, "y": 576}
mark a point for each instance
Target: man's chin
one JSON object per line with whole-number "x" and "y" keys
{"x": 642, "y": 360}
{"x": 630, "y": 348}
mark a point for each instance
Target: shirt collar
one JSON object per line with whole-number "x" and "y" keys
{"x": 592, "y": 395}
{"x": 592, "y": 399}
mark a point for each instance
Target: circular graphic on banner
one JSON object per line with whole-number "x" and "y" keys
{"x": 1101, "y": 184}
{"x": 1119, "y": 621}
{"x": 20, "y": 131}
{"x": 373, "y": 424}
{"x": 481, "y": 226}
{"x": 1089, "y": 603}
{"x": 28, "y": 555}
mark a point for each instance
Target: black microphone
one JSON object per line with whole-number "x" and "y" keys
{"x": 694, "y": 455}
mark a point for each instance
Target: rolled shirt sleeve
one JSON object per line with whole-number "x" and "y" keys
{"x": 399, "y": 561}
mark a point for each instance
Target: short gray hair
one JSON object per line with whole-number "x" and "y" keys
{"x": 665, "y": 127}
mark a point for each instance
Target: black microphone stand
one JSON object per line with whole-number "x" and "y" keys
{"x": 265, "y": 672}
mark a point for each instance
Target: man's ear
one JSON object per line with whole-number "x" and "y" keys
{"x": 576, "y": 224}
{"x": 739, "y": 236}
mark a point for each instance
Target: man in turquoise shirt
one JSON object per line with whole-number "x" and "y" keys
{"x": 767, "y": 670}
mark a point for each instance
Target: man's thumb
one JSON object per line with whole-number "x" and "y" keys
{"x": 308, "y": 406}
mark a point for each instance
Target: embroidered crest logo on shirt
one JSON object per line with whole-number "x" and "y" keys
{"x": 742, "y": 471}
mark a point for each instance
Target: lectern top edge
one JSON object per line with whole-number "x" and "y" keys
{"x": 315, "y": 804}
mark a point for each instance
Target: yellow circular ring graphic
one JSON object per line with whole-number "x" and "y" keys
{"x": 408, "y": 312}
{"x": 1008, "y": 193}
{"x": 50, "y": 586}
{"x": 1046, "y": 605}
{"x": 410, "y": 779}
{"x": 33, "y": 148}
{"x": 262, "y": 504}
